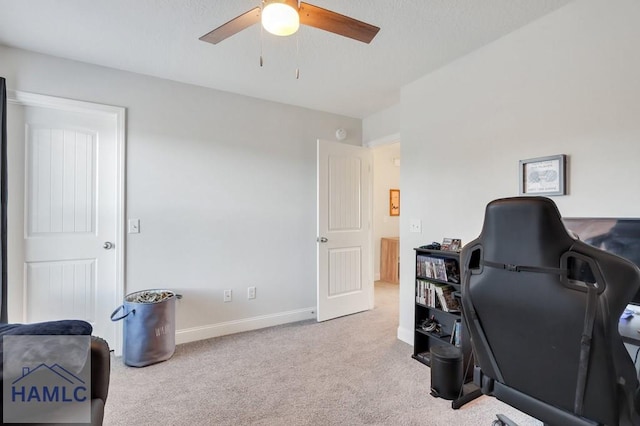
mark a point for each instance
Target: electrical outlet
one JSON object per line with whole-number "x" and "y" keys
{"x": 251, "y": 293}
{"x": 415, "y": 225}
{"x": 227, "y": 296}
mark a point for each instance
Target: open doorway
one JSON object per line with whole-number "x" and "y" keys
{"x": 386, "y": 224}
{"x": 349, "y": 271}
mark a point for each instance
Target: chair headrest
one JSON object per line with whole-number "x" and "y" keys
{"x": 524, "y": 231}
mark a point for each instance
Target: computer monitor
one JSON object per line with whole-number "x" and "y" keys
{"x": 618, "y": 236}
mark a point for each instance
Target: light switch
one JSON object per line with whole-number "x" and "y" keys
{"x": 134, "y": 226}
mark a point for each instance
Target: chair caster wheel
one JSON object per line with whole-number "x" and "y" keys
{"x": 503, "y": 420}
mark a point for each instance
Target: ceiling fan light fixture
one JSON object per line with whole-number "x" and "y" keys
{"x": 280, "y": 18}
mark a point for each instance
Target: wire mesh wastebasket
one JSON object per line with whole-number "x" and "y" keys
{"x": 149, "y": 326}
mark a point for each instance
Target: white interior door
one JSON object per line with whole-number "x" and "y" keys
{"x": 71, "y": 242}
{"x": 345, "y": 284}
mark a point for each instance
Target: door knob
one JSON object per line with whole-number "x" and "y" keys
{"x": 108, "y": 245}
{"x": 321, "y": 240}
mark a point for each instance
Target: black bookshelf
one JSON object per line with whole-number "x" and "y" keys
{"x": 438, "y": 313}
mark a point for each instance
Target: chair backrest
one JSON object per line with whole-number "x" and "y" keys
{"x": 525, "y": 300}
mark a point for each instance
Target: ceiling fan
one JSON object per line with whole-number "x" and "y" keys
{"x": 283, "y": 17}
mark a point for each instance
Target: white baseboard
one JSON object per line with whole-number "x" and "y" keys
{"x": 377, "y": 276}
{"x": 405, "y": 335}
{"x": 230, "y": 327}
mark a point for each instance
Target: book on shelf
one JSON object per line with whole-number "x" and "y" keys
{"x": 451, "y": 244}
{"x": 427, "y": 294}
{"x": 456, "y": 337}
{"x": 456, "y": 244}
{"x": 452, "y": 271}
{"x": 446, "y": 243}
{"x": 431, "y": 267}
{"x": 420, "y": 292}
{"x": 457, "y": 327}
{"x": 436, "y": 295}
{"x": 448, "y": 302}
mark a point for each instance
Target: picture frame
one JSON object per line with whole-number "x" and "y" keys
{"x": 394, "y": 202}
{"x": 456, "y": 244}
{"x": 451, "y": 244}
{"x": 543, "y": 175}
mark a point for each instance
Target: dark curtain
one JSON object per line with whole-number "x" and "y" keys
{"x": 3, "y": 198}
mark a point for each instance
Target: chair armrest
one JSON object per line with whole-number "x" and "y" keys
{"x": 100, "y": 368}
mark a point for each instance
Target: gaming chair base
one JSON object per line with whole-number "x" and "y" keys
{"x": 503, "y": 420}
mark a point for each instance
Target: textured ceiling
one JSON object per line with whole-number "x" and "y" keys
{"x": 339, "y": 75}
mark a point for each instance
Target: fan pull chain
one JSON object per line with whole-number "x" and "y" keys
{"x": 261, "y": 43}
{"x": 261, "y": 36}
{"x": 298, "y": 55}
{"x": 298, "y": 48}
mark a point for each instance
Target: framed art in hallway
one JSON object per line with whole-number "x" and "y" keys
{"x": 394, "y": 202}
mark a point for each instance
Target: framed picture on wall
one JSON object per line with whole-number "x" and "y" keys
{"x": 394, "y": 202}
{"x": 543, "y": 175}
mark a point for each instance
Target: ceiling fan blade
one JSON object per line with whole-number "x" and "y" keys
{"x": 333, "y": 22}
{"x": 232, "y": 27}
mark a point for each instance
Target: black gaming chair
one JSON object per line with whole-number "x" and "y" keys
{"x": 542, "y": 310}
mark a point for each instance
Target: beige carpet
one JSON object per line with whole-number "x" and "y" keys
{"x": 348, "y": 371}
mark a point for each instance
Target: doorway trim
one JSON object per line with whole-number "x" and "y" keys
{"x": 119, "y": 113}
{"x": 390, "y": 139}
{"x": 386, "y": 140}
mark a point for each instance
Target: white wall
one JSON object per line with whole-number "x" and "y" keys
{"x": 386, "y": 176}
{"x": 382, "y": 127}
{"x": 224, "y": 186}
{"x": 565, "y": 84}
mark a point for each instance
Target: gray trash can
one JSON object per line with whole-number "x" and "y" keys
{"x": 446, "y": 371}
{"x": 149, "y": 334}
